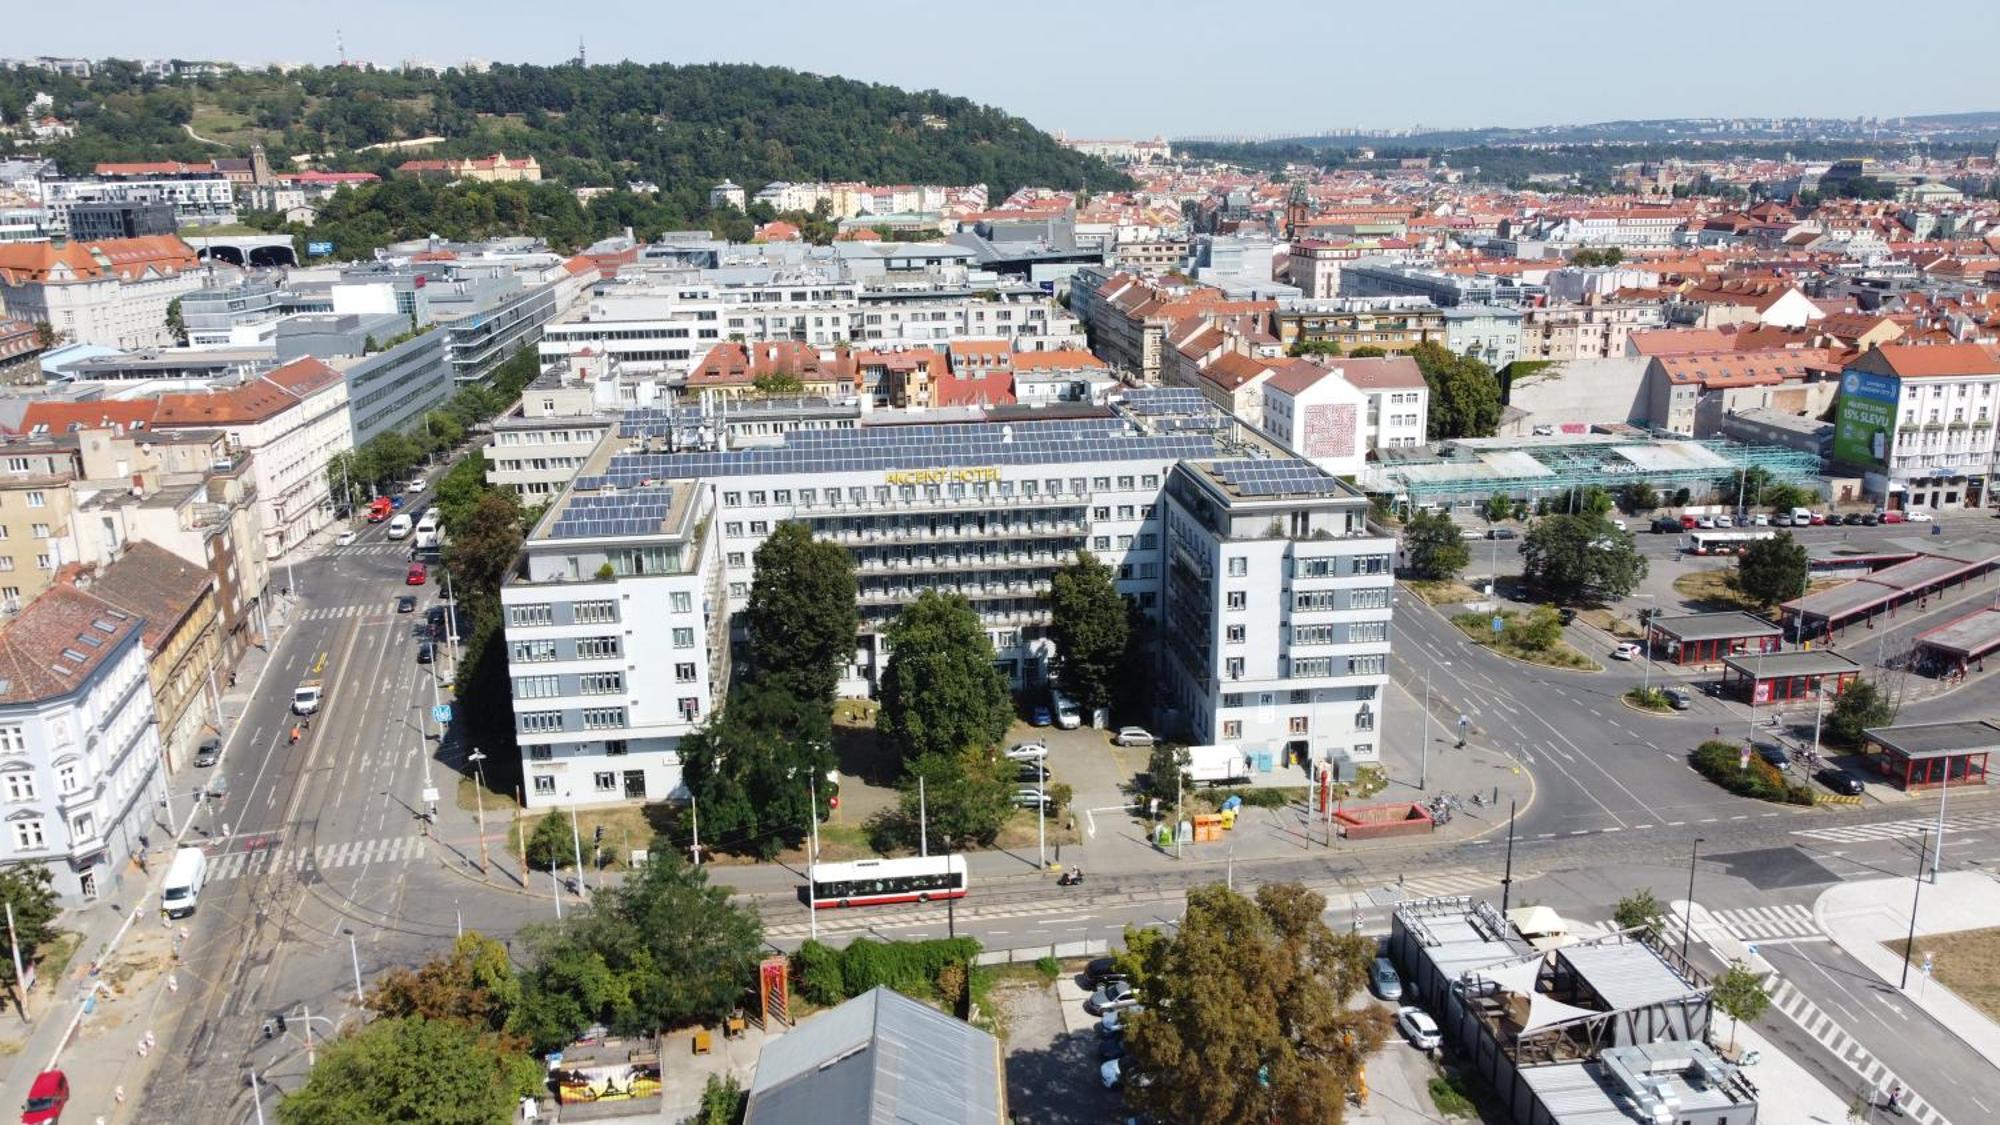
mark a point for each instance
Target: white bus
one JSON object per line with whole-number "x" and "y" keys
{"x": 874, "y": 882}
{"x": 429, "y": 537}
{"x": 1725, "y": 542}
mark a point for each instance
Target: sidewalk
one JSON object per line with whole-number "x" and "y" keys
{"x": 1864, "y": 917}
{"x": 92, "y": 1021}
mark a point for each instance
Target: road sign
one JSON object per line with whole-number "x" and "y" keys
{"x": 1499, "y": 623}
{"x": 318, "y": 249}
{"x": 441, "y": 713}
{"x": 1464, "y": 721}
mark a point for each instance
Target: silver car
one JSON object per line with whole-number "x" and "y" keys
{"x": 1133, "y": 736}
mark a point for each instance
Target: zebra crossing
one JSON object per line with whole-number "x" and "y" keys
{"x": 357, "y": 550}
{"x": 340, "y": 612}
{"x": 1826, "y": 1031}
{"x": 1899, "y": 829}
{"x": 1757, "y": 924}
{"x": 1429, "y": 884}
{"x": 326, "y": 857}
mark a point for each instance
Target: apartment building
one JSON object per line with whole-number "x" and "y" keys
{"x": 1374, "y": 277}
{"x": 988, "y": 504}
{"x": 114, "y": 294}
{"x": 1485, "y": 332}
{"x": 1130, "y": 319}
{"x": 1585, "y": 331}
{"x": 199, "y": 197}
{"x": 1921, "y": 420}
{"x": 182, "y": 638}
{"x": 617, "y": 642}
{"x": 1337, "y": 413}
{"x": 1394, "y": 324}
{"x": 35, "y": 509}
{"x": 79, "y": 748}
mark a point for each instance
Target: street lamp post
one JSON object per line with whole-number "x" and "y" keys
{"x": 1687, "y": 923}
{"x": 812, "y": 855}
{"x": 479, "y": 803}
{"x": 1937, "y": 846}
{"x": 1916, "y": 896}
{"x": 257, "y": 1097}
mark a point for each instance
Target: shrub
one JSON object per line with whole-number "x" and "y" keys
{"x": 817, "y": 969}
{"x": 1049, "y": 968}
{"x": 550, "y": 845}
{"x": 1718, "y": 761}
{"x": 1258, "y": 798}
{"x": 1651, "y": 699}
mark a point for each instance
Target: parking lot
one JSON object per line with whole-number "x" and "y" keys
{"x": 1052, "y": 1054}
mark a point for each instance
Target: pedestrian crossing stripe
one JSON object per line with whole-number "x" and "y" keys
{"x": 1764, "y": 923}
{"x": 357, "y": 549}
{"x": 1899, "y": 829}
{"x": 1827, "y": 1032}
{"x": 326, "y": 857}
{"x": 343, "y": 612}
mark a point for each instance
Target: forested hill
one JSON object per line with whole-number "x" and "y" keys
{"x": 679, "y": 126}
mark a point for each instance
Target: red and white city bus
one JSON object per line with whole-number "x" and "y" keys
{"x": 873, "y": 882}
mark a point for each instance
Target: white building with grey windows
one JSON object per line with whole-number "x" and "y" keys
{"x": 80, "y": 777}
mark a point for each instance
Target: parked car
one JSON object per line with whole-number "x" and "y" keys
{"x": 1031, "y": 772}
{"x": 1839, "y": 780}
{"x": 1113, "y": 996}
{"x": 417, "y": 576}
{"x": 1870, "y": 519}
{"x": 1889, "y": 516}
{"x": 1774, "y": 754}
{"x": 1028, "y": 751}
{"x": 1679, "y": 698}
{"x": 1102, "y": 970}
{"x": 1041, "y": 716}
{"x": 1111, "y": 1047}
{"x": 1113, "y": 1022}
{"x": 1027, "y": 797}
{"x": 1626, "y": 651}
{"x": 1666, "y": 525}
{"x": 1383, "y": 980}
{"x": 1851, "y": 519}
{"x": 46, "y": 1099}
{"x": 1761, "y": 520}
{"x": 1566, "y": 615}
{"x": 406, "y": 604}
{"x": 1133, "y": 736}
{"x": 343, "y": 539}
{"x": 426, "y": 652}
{"x": 1704, "y": 521}
{"x": 1689, "y": 523}
{"x": 1419, "y": 1028}
{"x": 1819, "y": 518}
{"x": 209, "y": 752}
{"x": 1724, "y": 521}
{"x": 1111, "y": 1073}
{"x": 1918, "y": 515}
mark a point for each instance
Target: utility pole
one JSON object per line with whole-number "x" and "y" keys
{"x": 1042, "y": 817}
{"x": 1915, "y": 897}
{"x": 257, "y": 1097}
{"x": 1937, "y": 848}
{"x": 555, "y": 888}
{"x": 812, "y": 856}
{"x": 479, "y": 803}
{"x": 576, "y": 843}
{"x": 354, "y": 952}
{"x": 923, "y": 820}
{"x": 1507, "y": 880}
{"x": 20, "y": 978}
{"x": 1180, "y": 781}
{"x": 694, "y": 818}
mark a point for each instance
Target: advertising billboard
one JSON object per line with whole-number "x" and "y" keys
{"x": 1867, "y": 419}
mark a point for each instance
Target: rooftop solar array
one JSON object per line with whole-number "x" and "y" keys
{"x": 648, "y": 421}
{"x": 1272, "y": 478}
{"x": 638, "y": 513}
{"x": 913, "y": 447}
{"x": 1166, "y": 400}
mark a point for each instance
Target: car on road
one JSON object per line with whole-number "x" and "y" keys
{"x": 1383, "y": 980}
{"x": 1028, "y": 751}
{"x": 1133, "y": 736}
{"x": 406, "y": 604}
{"x": 1839, "y": 780}
{"x": 343, "y": 539}
{"x": 1419, "y": 1028}
{"x": 1565, "y": 615}
{"x": 46, "y": 1099}
{"x": 1774, "y": 754}
{"x": 1500, "y": 533}
{"x": 416, "y": 486}
{"x": 1918, "y": 515}
{"x": 1102, "y": 970}
{"x": 1679, "y": 699}
{"x": 426, "y": 652}
{"x": 209, "y": 752}
{"x": 418, "y": 575}
{"x": 1027, "y": 797}
{"x": 1041, "y": 716}
{"x": 1113, "y": 996}
{"x": 1626, "y": 651}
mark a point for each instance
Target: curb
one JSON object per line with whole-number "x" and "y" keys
{"x": 1646, "y": 711}
{"x": 1485, "y": 647}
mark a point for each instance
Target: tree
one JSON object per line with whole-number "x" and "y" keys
{"x": 1782, "y": 496}
{"x": 1255, "y": 991}
{"x": 940, "y": 693}
{"x": 1773, "y": 570}
{"x": 551, "y": 846}
{"x": 1860, "y": 705}
{"x": 1638, "y": 498}
{"x": 1641, "y": 911}
{"x": 660, "y": 950}
{"x": 1090, "y": 628}
{"x": 751, "y": 768}
{"x": 1304, "y": 347}
{"x": 1581, "y": 558}
{"x": 1367, "y": 351}
{"x": 722, "y": 1102}
{"x": 413, "y": 1071}
{"x": 965, "y": 798}
{"x": 1741, "y": 996}
{"x": 455, "y": 494}
{"x": 801, "y": 617}
{"x": 774, "y": 383}
{"x": 1465, "y": 394}
{"x": 176, "y": 326}
{"x": 1588, "y": 500}
{"x": 1742, "y": 488}
{"x": 473, "y": 986}
{"x": 1538, "y": 631}
{"x": 1166, "y": 770}
{"x": 25, "y": 887}
{"x": 482, "y": 550}
{"x": 1497, "y": 507}
{"x": 1433, "y": 547}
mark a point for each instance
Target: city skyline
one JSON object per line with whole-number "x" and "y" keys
{"x": 1563, "y": 64}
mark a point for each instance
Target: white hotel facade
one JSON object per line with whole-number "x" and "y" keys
{"x": 1271, "y": 592}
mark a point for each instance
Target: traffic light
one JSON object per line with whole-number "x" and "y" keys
{"x": 597, "y": 834}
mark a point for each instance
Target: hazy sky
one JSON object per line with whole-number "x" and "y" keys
{"x": 1139, "y": 67}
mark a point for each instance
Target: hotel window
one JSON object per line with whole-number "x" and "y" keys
{"x": 596, "y": 648}
{"x": 685, "y": 673}
{"x": 1124, "y": 511}
{"x": 541, "y": 722}
{"x": 757, "y": 499}
{"x": 1100, "y": 483}
{"x": 600, "y": 683}
{"x": 537, "y": 687}
{"x": 1365, "y": 632}
{"x": 1367, "y": 665}
{"x": 603, "y": 718}
{"x": 1239, "y": 566}
{"x": 1236, "y": 599}
{"x": 1234, "y": 666}
{"x": 1232, "y": 729}
{"x": 808, "y": 496}
{"x": 1149, "y": 481}
{"x": 736, "y": 558}
{"x": 595, "y": 613}
{"x": 1102, "y": 512}
{"x": 1300, "y": 724}
{"x": 690, "y": 708}
{"x": 539, "y": 614}
{"x": 1235, "y": 634}
{"x": 39, "y": 531}
{"x": 733, "y": 530}
{"x": 683, "y": 638}
{"x": 28, "y": 835}
{"x": 781, "y": 496}
{"x": 545, "y": 784}
{"x": 760, "y": 527}
{"x": 614, "y": 746}
{"x": 682, "y": 601}
{"x": 1100, "y": 543}
{"x": 732, "y": 499}
{"x": 37, "y": 500}
{"x": 531, "y": 652}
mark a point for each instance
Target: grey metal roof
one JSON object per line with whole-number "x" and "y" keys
{"x": 879, "y": 1059}
{"x": 1715, "y": 626}
{"x": 1626, "y": 974}
{"x": 1935, "y": 740}
{"x": 1805, "y": 662}
{"x": 1968, "y": 636}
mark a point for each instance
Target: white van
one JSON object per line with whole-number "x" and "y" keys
{"x": 428, "y": 537}
{"x": 399, "y": 528}
{"x": 1801, "y": 517}
{"x": 183, "y": 885}
{"x": 1067, "y": 715}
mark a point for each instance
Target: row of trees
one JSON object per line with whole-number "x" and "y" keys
{"x": 455, "y": 1040}
{"x": 1567, "y": 558}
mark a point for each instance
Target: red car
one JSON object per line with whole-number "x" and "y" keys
{"x": 46, "y": 1099}
{"x": 418, "y": 575}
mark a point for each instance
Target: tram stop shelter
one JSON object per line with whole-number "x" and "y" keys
{"x": 1956, "y": 644}
{"x": 1707, "y": 638}
{"x": 1919, "y": 756}
{"x": 1784, "y": 677}
{"x": 1940, "y": 568}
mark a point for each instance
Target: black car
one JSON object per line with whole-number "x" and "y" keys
{"x": 1031, "y": 773}
{"x": 1851, "y": 519}
{"x": 406, "y": 604}
{"x": 1870, "y": 519}
{"x": 425, "y": 652}
{"x": 1666, "y": 526}
{"x": 1839, "y": 780}
{"x": 1774, "y": 754}
{"x": 1565, "y": 615}
{"x": 1102, "y": 970}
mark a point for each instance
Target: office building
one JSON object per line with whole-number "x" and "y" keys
{"x": 234, "y": 316}
{"x": 112, "y": 293}
{"x": 1921, "y": 422}
{"x": 93, "y": 222}
{"x": 198, "y": 196}
{"x": 1374, "y": 277}
{"x": 79, "y": 749}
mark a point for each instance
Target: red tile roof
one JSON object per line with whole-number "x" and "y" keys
{"x": 1382, "y": 373}
{"x": 1061, "y": 359}
{"x": 992, "y": 388}
{"x": 57, "y": 642}
{"x": 62, "y": 417}
{"x": 1917, "y": 361}
{"x": 734, "y": 364}
{"x": 128, "y": 258}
